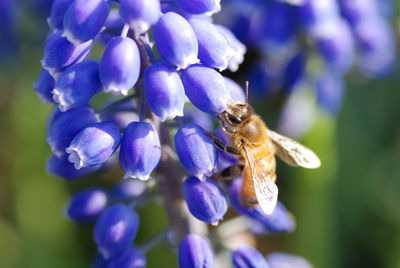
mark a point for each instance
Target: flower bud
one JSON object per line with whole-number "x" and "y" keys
{"x": 176, "y": 41}
{"x": 84, "y": 19}
{"x": 238, "y": 48}
{"x": 330, "y": 87}
{"x": 195, "y": 252}
{"x": 61, "y": 167}
{"x": 87, "y": 205}
{"x": 120, "y": 65}
{"x": 205, "y": 199}
{"x": 59, "y": 53}
{"x": 58, "y": 9}
{"x": 279, "y": 221}
{"x": 206, "y": 89}
{"x": 44, "y": 86}
{"x": 164, "y": 91}
{"x": 294, "y": 71}
{"x": 214, "y": 50}
{"x": 224, "y": 159}
{"x": 248, "y": 257}
{"x": 115, "y": 230}
{"x": 77, "y": 85}
{"x": 140, "y": 150}
{"x": 94, "y": 144}
{"x": 67, "y": 125}
{"x": 131, "y": 258}
{"x": 140, "y": 14}
{"x": 99, "y": 262}
{"x": 236, "y": 91}
{"x": 196, "y": 151}
{"x": 315, "y": 12}
{"x": 284, "y": 260}
{"x": 201, "y": 6}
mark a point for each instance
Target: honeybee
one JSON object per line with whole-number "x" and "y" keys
{"x": 256, "y": 147}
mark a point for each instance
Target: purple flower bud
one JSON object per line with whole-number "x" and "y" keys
{"x": 84, "y": 19}
{"x": 100, "y": 262}
{"x": 140, "y": 14}
{"x": 131, "y": 258}
{"x": 123, "y": 115}
{"x": 206, "y": 89}
{"x": 225, "y": 159}
{"x": 140, "y": 150}
{"x": 195, "y": 252}
{"x": 59, "y": 53}
{"x": 44, "y": 86}
{"x": 94, "y": 144}
{"x": 115, "y": 230}
{"x": 294, "y": 71}
{"x": 284, "y": 260}
{"x": 77, "y": 85}
{"x": 200, "y": 6}
{"x": 248, "y": 257}
{"x": 61, "y": 167}
{"x": 236, "y": 91}
{"x": 120, "y": 65}
{"x": 330, "y": 88}
{"x": 214, "y": 50}
{"x": 58, "y": 10}
{"x": 357, "y": 11}
{"x": 193, "y": 115}
{"x": 195, "y": 150}
{"x": 205, "y": 199}
{"x": 164, "y": 91}
{"x": 238, "y": 48}
{"x": 176, "y": 41}
{"x": 67, "y": 125}
{"x": 280, "y": 221}
{"x": 128, "y": 189}
{"x": 315, "y": 12}
{"x": 87, "y": 205}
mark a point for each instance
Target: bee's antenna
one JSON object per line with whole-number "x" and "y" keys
{"x": 247, "y": 91}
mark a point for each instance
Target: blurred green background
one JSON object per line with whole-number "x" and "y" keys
{"x": 348, "y": 211}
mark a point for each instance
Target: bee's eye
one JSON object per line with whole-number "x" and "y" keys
{"x": 234, "y": 119}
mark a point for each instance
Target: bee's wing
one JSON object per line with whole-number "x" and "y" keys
{"x": 292, "y": 152}
{"x": 258, "y": 184}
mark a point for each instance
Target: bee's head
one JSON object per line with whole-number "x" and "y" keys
{"x": 235, "y": 114}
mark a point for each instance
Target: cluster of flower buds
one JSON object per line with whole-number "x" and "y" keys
{"x": 311, "y": 44}
{"x": 159, "y": 70}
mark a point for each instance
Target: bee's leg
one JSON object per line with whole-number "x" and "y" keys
{"x": 221, "y": 145}
{"x": 231, "y": 172}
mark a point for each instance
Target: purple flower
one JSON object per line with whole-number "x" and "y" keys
{"x": 200, "y": 6}
{"x": 330, "y": 88}
{"x": 59, "y": 53}
{"x": 84, "y": 19}
{"x": 224, "y": 159}
{"x": 193, "y": 115}
{"x": 131, "y": 258}
{"x": 100, "y": 262}
{"x": 284, "y": 260}
{"x": 164, "y": 91}
{"x": 128, "y": 189}
{"x": 140, "y": 14}
{"x": 58, "y": 9}
{"x": 176, "y": 41}
{"x": 236, "y": 92}
{"x": 140, "y": 150}
{"x": 115, "y": 230}
{"x": 294, "y": 71}
{"x": 206, "y": 89}
{"x": 214, "y": 50}
{"x": 87, "y": 205}
{"x": 67, "y": 125}
{"x": 120, "y": 65}
{"x": 77, "y": 85}
{"x": 44, "y": 86}
{"x": 195, "y": 252}
{"x": 195, "y": 150}
{"x": 315, "y": 12}
{"x": 61, "y": 167}
{"x": 94, "y": 144}
{"x": 238, "y": 48}
{"x": 205, "y": 199}
{"x": 248, "y": 257}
